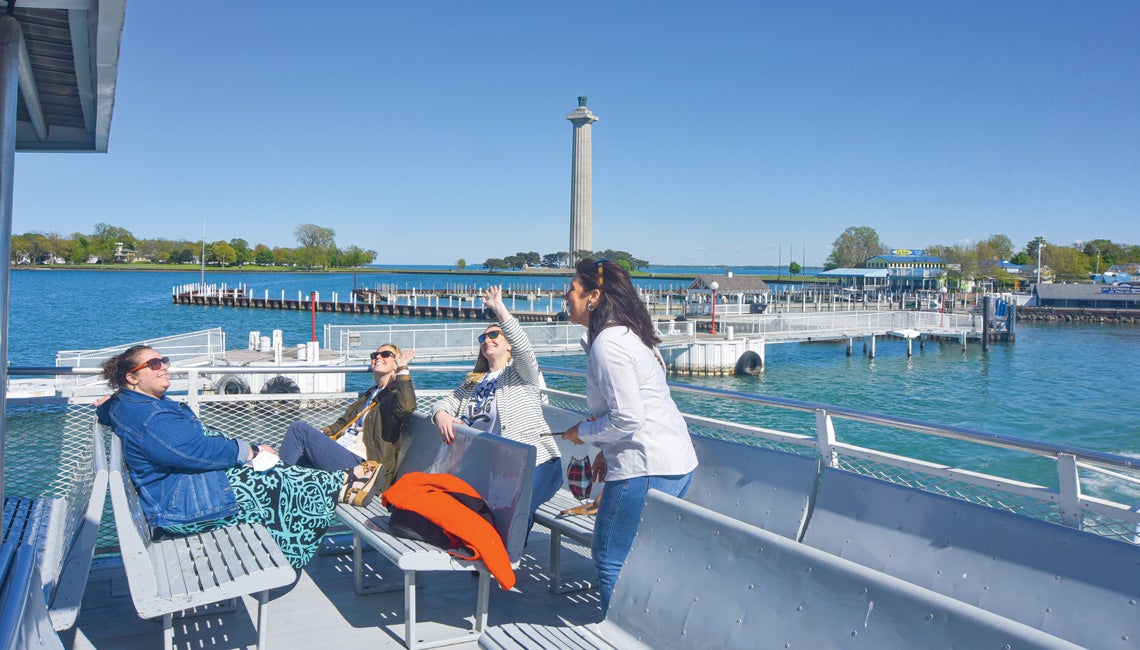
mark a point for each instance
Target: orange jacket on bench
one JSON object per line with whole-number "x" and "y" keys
{"x": 427, "y": 495}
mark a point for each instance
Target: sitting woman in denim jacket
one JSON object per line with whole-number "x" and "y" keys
{"x": 192, "y": 480}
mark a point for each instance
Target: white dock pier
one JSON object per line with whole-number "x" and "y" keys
{"x": 739, "y": 347}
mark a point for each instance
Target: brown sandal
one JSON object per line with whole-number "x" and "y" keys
{"x": 358, "y": 489}
{"x": 589, "y": 509}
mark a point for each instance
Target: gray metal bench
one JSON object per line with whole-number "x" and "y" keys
{"x": 501, "y": 470}
{"x": 174, "y": 575}
{"x": 1078, "y": 586}
{"x": 57, "y": 536}
{"x": 699, "y": 579}
{"x": 764, "y": 487}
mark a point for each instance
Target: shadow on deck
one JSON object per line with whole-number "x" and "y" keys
{"x": 321, "y": 611}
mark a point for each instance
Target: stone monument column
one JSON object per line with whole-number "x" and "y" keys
{"x": 582, "y": 182}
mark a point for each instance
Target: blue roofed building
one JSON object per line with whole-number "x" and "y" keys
{"x": 910, "y": 269}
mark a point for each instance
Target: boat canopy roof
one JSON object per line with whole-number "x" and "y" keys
{"x": 69, "y": 65}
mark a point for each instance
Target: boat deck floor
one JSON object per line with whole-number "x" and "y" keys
{"x": 321, "y": 610}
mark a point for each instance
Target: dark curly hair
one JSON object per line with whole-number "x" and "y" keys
{"x": 116, "y": 368}
{"x": 619, "y": 303}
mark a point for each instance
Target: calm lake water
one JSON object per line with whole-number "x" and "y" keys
{"x": 1075, "y": 384}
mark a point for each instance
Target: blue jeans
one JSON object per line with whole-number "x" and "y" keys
{"x": 308, "y": 446}
{"x": 547, "y": 480}
{"x": 619, "y": 513}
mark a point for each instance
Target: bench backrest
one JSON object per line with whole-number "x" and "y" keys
{"x": 1075, "y": 585}
{"x": 500, "y": 470}
{"x": 764, "y": 487}
{"x": 760, "y": 486}
{"x": 133, "y": 530}
{"x": 81, "y": 527}
{"x": 699, "y": 579}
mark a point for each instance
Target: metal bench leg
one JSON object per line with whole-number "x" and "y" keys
{"x": 357, "y": 561}
{"x": 262, "y": 619}
{"x": 481, "y": 602}
{"x": 410, "y": 609}
{"x": 168, "y": 631}
{"x": 555, "y": 561}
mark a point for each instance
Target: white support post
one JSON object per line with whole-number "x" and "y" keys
{"x": 825, "y": 436}
{"x": 1070, "y": 490}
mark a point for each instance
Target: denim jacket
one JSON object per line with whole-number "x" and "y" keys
{"x": 179, "y": 470}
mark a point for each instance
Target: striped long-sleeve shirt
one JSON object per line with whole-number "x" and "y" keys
{"x": 518, "y": 396}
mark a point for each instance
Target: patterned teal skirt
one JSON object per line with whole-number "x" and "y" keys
{"x": 297, "y": 505}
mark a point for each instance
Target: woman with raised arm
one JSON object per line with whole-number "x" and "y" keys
{"x": 191, "y": 479}
{"x": 642, "y": 437}
{"x": 503, "y": 396}
{"x": 370, "y": 428}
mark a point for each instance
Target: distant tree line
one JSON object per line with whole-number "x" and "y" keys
{"x": 109, "y": 244}
{"x": 557, "y": 260}
{"x": 981, "y": 259}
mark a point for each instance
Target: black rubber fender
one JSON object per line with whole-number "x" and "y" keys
{"x": 749, "y": 363}
{"x": 231, "y": 385}
{"x": 280, "y": 384}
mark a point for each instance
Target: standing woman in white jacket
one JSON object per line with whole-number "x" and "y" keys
{"x": 642, "y": 436}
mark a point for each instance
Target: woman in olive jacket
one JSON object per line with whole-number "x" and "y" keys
{"x": 369, "y": 429}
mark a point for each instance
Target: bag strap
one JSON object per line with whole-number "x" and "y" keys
{"x": 371, "y": 403}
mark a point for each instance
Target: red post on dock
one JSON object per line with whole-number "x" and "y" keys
{"x": 313, "y": 310}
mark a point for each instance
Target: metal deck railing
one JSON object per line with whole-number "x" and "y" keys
{"x": 1094, "y": 491}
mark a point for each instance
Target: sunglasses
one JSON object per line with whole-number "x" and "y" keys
{"x": 601, "y": 274}
{"x": 154, "y": 364}
{"x": 387, "y": 354}
{"x": 493, "y": 334}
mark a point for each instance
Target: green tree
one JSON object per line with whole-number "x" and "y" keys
{"x": 284, "y": 256}
{"x": 854, "y": 247}
{"x": 105, "y": 238}
{"x": 794, "y": 268}
{"x": 79, "y": 248}
{"x": 461, "y": 264}
{"x": 243, "y": 255}
{"x": 1001, "y": 246}
{"x": 492, "y": 263}
{"x": 264, "y": 257}
{"x": 355, "y": 256}
{"x": 316, "y": 244}
{"x": 1068, "y": 264}
{"x": 532, "y": 258}
{"x": 221, "y": 253}
{"x": 182, "y": 256}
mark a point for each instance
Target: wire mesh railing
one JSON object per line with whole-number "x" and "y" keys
{"x": 1095, "y": 491}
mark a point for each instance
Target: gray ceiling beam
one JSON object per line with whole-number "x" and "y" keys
{"x": 31, "y": 93}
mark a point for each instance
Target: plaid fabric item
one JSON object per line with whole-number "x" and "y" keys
{"x": 579, "y": 477}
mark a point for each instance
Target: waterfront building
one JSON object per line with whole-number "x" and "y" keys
{"x": 910, "y": 269}
{"x": 1088, "y": 296}
{"x": 582, "y": 181}
{"x": 862, "y": 281}
{"x": 735, "y": 294}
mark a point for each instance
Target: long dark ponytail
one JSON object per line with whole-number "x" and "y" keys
{"x": 619, "y": 303}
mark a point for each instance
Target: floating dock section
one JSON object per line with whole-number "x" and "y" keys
{"x": 359, "y": 302}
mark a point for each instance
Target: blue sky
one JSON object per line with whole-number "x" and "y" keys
{"x": 728, "y": 132}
